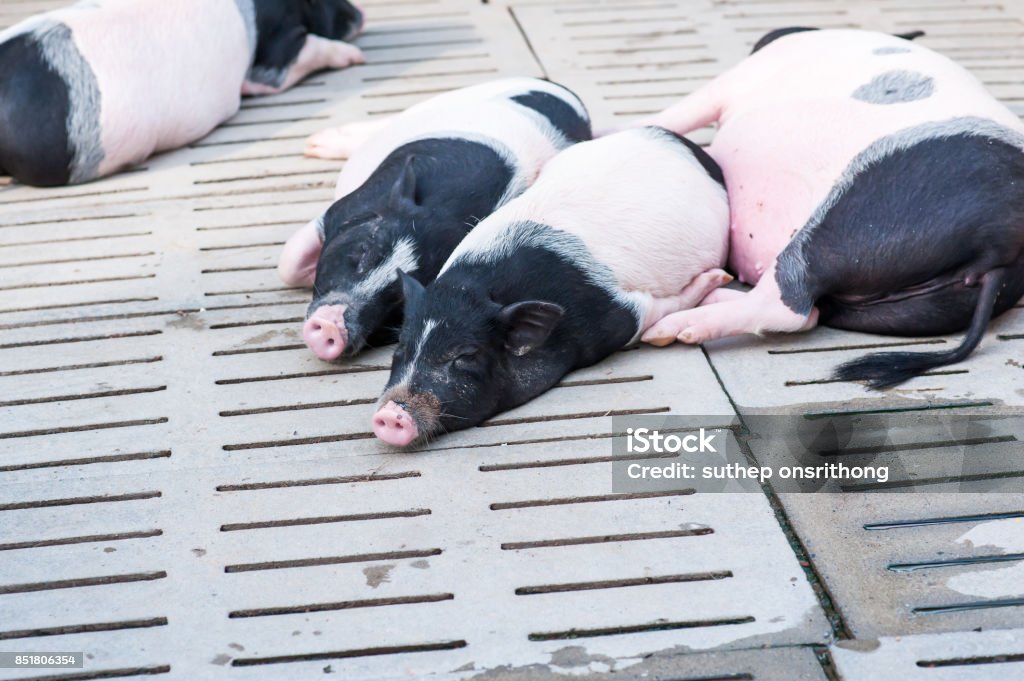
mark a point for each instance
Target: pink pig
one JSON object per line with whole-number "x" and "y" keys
{"x": 874, "y": 185}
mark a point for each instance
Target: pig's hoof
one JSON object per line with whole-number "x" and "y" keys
{"x": 335, "y": 143}
{"x": 658, "y": 341}
{"x": 689, "y": 336}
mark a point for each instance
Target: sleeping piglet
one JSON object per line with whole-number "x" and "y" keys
{"x": 90, "y": 89}
{"x": 874, "y": 186}
{"x": 615, "y": 234}
{"x": 414, "y": 185}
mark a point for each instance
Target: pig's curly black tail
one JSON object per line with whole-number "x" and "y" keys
{"x": 887, "y": 369}
{"x": 910, "y": 35}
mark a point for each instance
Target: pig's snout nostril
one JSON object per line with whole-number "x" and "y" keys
{"x": 324, "y": 337}
{"x": 393, "y": 425}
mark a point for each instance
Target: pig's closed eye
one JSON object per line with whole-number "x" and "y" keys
{"x": 466, "y": 356}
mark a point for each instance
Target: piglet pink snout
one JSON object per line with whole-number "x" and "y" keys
{"x": 324, "y": 332}
{"x": 393, "y": 425}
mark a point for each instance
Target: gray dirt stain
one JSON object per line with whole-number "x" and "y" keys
{"x": 377, "y": 575}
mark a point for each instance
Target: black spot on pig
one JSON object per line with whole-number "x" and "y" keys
{"x": 922, "y": 236}
{"x": 333, "y": 19}
{"x": 561, "y": 115}
{"x": 49, "y": 109}
{"x": 772, "y": 36}
{"x": 283, "y": 25}
{"x": 33, "y": 141}
{"x": 895, "y": 87}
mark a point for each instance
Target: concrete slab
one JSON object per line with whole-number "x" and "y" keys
{"x": 965, "y": 656}
{"x": 186, "y": 492}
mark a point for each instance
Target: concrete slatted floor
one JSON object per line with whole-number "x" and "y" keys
{"x": 186, "y": 493}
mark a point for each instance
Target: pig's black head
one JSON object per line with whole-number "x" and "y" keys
{"x": 357, "y": 297}
{"x": 462, "y": 357}
{"x": 333, "y": 19}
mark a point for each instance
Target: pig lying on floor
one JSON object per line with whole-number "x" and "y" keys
{"x": 615, "y": 234}
{"x": 90, "y": 89}
{"x": 413, "y": 187}
{"x": 874, "y": 186}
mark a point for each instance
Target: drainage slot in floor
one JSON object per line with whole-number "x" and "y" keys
{"x": 345, "y": 654}
{"x": 605, "y": 539}
{"x": 322, "y": 520}
{"x": 339, "y": 480}
{"x": 84, "y": 396}
{"x": 331, "y": 560}
{"x": 911, "y": 446}
{"x": 86, "y": 539}
{"x": 80, "y": 339}
{"x": 83, "y": 428}
{"x": 966, "y": 661}
{"x": 925, "y": 522}
{"x": 621, "y": 583}
{"x": 341, "y": 605}
{"x": 582, "y": 461}
{"x": 84, "y": 461}
{"x": 636, "y": 629}
{"x": 955, "y": 562}
{"x": 82, "y": 582}
{"x": 75, "y": 501}
{"x": 628, "y": 496}
{"x": 84, "y": 628}
{"x": 306, "y": 374}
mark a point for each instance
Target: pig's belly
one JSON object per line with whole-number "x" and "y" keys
{"x": 173, "y": 74}
{"x": 776, "y": 172}
{"x": 781, "y": 160}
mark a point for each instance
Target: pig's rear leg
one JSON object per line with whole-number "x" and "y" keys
{"x": 341, "y": 141}
{"x": 696, "y": 291}
{"x": 735, "y": 313}
{"x": 317, "y": 53}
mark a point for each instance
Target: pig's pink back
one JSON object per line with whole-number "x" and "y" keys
{"x": 174, "y": 71}
{"x": 790, "y": 126}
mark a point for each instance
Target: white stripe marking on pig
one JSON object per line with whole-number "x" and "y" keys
{"x": 428, "y": 328}
{"x": 403, "y": 257}
{"x": 83, "y": 123}
{"x": 792, "y": 265}
{"x": 248, "y": 13}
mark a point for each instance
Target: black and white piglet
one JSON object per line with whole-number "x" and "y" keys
{"x": 103, "y": 84}
{"x": 411, "y": 192}
{"x": 614, "y": 235}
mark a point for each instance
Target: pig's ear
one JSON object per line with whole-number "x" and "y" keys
{"x": 403, "y": 194}
{"x": 528, "y": 324}
{"x": 412, "y": 291}
{"x": 297, "y": 266}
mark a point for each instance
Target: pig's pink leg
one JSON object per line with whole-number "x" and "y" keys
{"x": 317, "y": 53}
{"x": 297, "y": 266}
{"x": 722, "y": 295}
{"x": 341, "y": 141}
{"x": 759, "y": 311}
{"x": 694, "y": 111}
{"x": 694, "y": 292}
